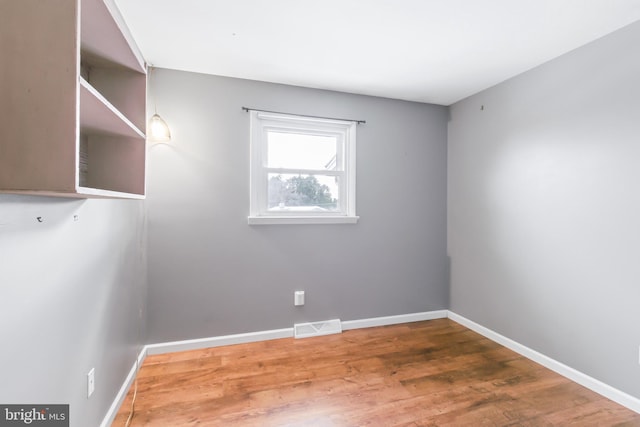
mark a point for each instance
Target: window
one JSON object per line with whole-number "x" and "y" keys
{"x": 302, "y": 170}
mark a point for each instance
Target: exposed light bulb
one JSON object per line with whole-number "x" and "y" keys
{"x": 158, "y": 129}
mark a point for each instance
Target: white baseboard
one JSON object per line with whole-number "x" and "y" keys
{"x": 117, "y": 402}
{"x": 199, "y": 343}
{"x": 591, "y": 383}
{"x": 393, "y": 320}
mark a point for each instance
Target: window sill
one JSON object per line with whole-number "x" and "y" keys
{"x": 277, "y": 220}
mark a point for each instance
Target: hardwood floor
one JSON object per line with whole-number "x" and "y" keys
{"x": 433, "y": 373}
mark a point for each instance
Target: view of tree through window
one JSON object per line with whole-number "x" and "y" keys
{"x": 300, "y": 190}
{"x": 298, "y": 163}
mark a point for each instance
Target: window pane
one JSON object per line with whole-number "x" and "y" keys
{"x": 302, "y": 193}
{"x": 300, "y": 151}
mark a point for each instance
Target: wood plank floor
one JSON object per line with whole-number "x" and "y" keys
{"x": 433, "y": 373}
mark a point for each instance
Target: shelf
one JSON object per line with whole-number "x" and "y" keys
{"x": 105, "y": 38}
{"x": 77, "y": 84}
{"x": 112, "y": 163}
{"x": 81, "y": 193}
{"x": 98, "y": 115}
{"x": 95, "y": 192}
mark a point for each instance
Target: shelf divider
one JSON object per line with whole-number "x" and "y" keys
{"x": 98, "y": 115}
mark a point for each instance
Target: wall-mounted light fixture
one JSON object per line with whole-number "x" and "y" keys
{"x": 158, "y": 128}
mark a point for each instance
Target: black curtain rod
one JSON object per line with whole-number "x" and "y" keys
{"x": 247, "y": 109}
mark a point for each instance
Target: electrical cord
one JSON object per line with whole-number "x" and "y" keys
{"x": 135, "y": 394}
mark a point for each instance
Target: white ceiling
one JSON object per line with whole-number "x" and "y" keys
{"x": 435, "y": 51}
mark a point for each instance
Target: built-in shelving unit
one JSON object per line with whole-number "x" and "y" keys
{"x": 73, "y": 101}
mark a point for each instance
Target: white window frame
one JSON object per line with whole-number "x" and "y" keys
{"x": 345, "y": 132}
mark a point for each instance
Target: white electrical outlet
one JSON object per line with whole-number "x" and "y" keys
{"x": 298, "y": 298}
{"x": 91, "y": 382}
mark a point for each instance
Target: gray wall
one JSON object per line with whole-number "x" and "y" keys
{"x": 544, "y": 209}
{"x": 212, "y": 274}
{"x": 70, "y": 292}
